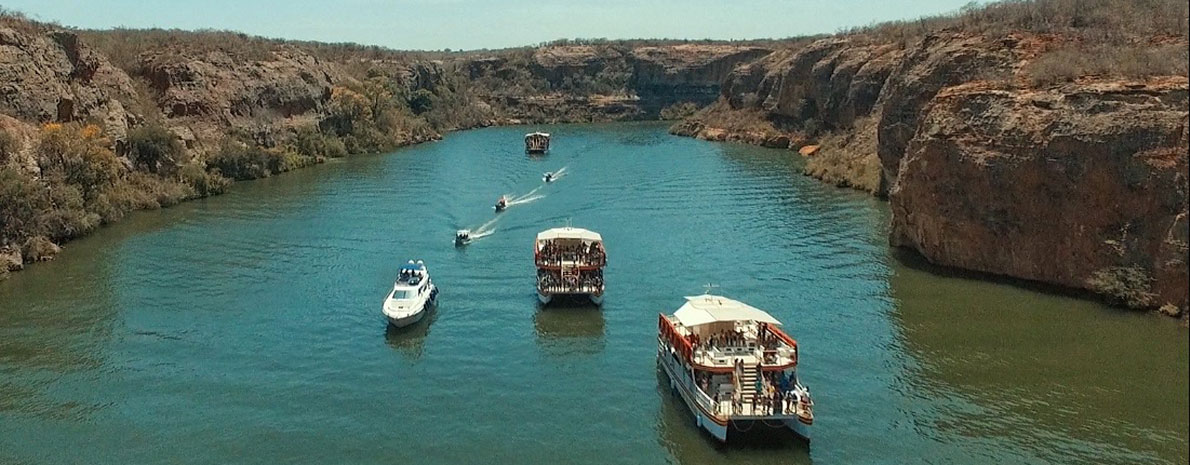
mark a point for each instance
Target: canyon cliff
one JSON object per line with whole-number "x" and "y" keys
{"x": 1053, "y": 152}
{"x": 1017, "y": 152}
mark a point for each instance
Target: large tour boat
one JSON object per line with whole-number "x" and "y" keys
{"x": 733, "y": 366}
{"x": 537, "y": 142}
{"x": 412, "y": 296}
{"x": 570, "y": 263}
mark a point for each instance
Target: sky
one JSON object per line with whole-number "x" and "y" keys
{"x": 476, "y": 24}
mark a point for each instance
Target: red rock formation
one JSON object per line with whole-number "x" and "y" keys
{"x": 1052, "y": 185}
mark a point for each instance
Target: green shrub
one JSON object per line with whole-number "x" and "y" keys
{"x": 421, "y": 101}
{"x": 22, "y": 198}
{"x": 78, "y": 156}
{"x": 241, "y": 162}
{"x": 8, "y": 146}
{"x": 314, "y": 143}
{"x": 679, "y": 111}
{"x": 63, "y": 224}
{"x": 154, "y": 149}
{"x": 203, "y": 182}
{"x": 1129, "y": 286}
{"x": 111, "y": 205}
{"x": 39, "y": 249}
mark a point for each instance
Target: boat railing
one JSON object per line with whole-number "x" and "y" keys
{"x": 704, "y": 399}
{"x": 576, "y": 289}
{"x": 675, "y": 339}
{"x": 551, "y": 261}
{"x": 788, "y": 341}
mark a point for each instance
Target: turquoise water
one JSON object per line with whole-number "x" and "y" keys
{"x": 246, "y": 328}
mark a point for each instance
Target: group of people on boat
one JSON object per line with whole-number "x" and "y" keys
{"x": 774, "y": 392}
{"x": 585, "y": 254}
{"x": 410, "y": 275}
{"x": 720, "y": 339}
{"x": 592, "y": 279}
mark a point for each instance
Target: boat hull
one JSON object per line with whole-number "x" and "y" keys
{"x": 402, "y": 321}
{"x": 406, "y": 320}
{"x": 545, "y": 299}
{"x": 682, "y": 387}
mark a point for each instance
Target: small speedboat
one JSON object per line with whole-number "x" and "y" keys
{"x": 548, "y": 177}
{"x": 412, "y": 296}
{"x": 501, "y": 204}
{"x": 462, "y": 237}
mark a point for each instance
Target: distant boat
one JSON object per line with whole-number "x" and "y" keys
{"x": 462, "y": 237}
{"x": 412, "y": 296}
{"x": 537, "y": 142}
{"x": 548, "y": 177}
{"x": 501, "y": 204}
{"x": 699, "y": 346}
{"x": 570, "y": 263}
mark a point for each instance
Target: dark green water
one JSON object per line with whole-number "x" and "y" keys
{"x": 246, "y": 328}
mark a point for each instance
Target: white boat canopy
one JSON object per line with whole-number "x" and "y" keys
{"x": 704, "y": 309}
{"x": 532, "y": 134}
{"x": 569, "y": 233}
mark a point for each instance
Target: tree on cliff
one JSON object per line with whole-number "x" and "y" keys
{"x": 154, "y": 149}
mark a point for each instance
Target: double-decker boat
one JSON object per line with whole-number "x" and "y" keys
{"x": 537, "y": 142}
{"x": 412, "y": 296}
{"x": 570, "y": 263}
{"x": 733, "y": 366}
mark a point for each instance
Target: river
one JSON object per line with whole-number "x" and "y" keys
{"x": 246, "y": 328}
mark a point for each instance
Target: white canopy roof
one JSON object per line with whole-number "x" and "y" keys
{"x": 704, "y": 309}
{"x": 531, "y": 134}
{"x": 569, "y": 233}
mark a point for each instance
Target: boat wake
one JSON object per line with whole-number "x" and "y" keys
{"x": 556, "y": 175}
{"x": 532, "y": 196}
{"x": 484, "y": 230}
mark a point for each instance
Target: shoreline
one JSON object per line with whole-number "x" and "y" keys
{"x": 907, "y": 257}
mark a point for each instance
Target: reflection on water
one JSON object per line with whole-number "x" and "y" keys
{"x": 691, "y": 445}
{"x": 567, "y": 330}
{"x": 411, "y": 339}
{"x": 1007, "y": 362}
{"x": 58, "y": 337}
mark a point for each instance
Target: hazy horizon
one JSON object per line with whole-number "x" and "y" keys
{"x": 458, "y": 24}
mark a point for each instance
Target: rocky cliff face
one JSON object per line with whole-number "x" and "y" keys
{"x": 788, "y": 97}
{"x": 604, "y": 82}
{"x": 203, "y": 94}
{"x": 1071, "y": 186}
{"x": 49, "y": 75}
{"x": 936, "y": 62}
{"x": 1082, "y": 185}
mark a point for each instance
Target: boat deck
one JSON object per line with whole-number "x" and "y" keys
{"x": 562, "y": 289}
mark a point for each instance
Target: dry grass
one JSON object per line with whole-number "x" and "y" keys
{"x": 1101, "y": 21}
{"x": 1068, "y": 64}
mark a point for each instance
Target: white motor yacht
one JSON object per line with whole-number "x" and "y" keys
{"x": 412, "y": 296}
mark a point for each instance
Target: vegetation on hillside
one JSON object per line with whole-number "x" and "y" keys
{"x": 79, "y": 183}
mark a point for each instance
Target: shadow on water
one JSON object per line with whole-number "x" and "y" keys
{"x": 1055, "y": 375}
{"x": 691, "y": 445}
{"x": 566, "y": 330}
{"x": 411, "y": 339}
{"x": 909, "y": 258}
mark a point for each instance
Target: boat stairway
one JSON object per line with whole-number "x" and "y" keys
{"x": 748, "y": 384}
